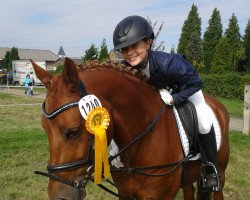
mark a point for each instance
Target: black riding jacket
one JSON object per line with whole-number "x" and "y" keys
{"x": 174, "y": 71}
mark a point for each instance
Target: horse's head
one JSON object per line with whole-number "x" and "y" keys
{"x": 69, "y": 142}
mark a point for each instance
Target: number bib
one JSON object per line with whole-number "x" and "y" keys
{"x": 87, "y": 103}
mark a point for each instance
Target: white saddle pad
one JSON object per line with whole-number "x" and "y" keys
{"x": 183, "y": 136}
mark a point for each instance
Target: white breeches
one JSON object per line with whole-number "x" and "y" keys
{"x": 203, "y": 112}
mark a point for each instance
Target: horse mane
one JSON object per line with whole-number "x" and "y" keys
{"x": 108, "y": 64}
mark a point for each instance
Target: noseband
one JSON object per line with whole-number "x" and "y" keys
{"x": 52, "y": 169}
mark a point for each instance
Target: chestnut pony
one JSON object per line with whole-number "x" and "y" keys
{"x": 141, "y": 124}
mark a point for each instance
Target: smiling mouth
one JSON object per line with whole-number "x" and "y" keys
{"x": 133, "y": 58}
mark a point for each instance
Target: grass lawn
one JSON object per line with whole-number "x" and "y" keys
{"x": 24, "y": 149}
{"x": 235, "y": 107}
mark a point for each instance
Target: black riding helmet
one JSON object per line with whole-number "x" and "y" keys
{"x": 130, "y": 30}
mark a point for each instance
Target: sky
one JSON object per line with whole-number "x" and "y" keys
{"x": 76, "y": 24}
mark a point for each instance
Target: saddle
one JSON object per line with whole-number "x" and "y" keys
{"x": 188, "y": 117}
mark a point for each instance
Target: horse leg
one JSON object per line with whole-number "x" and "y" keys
{"x": 188, "y": 192}
{"x": 151, "y": 198}
{"x": 202, "y": 195}
{"x": 219, "y": 195}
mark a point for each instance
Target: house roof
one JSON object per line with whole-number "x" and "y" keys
{"x": 34, "y": 54}
{"x": 76, "y": 60}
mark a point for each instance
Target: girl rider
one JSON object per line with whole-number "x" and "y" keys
{"x": 133, "y": 37}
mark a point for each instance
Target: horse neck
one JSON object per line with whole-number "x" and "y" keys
{"x": 131, "y": 103}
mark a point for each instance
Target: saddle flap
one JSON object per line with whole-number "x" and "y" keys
{"x": 188, "y": 117}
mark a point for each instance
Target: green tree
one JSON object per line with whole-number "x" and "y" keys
{"x": 9, "y": 57}
{"x": 211, "y": 38}
{"x": 220, "y": 63}
{"x": 194, "y": 49}
{"x": 91, "y": 53}
{"x": 103, "y": 52}
{"x": 232, "y": 33}
{"x": 246, "y": 46}
{"x": 13, "y": 56}
{"x": 191, "y": 25}
{"x": 6, "y": 59}
{"x": 240, "y": 62}
{"x": 14, "y": 53}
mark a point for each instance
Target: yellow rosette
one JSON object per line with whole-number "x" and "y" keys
{"x": 96, "y": 123}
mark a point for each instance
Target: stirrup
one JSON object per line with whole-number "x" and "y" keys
{"x": 205, "y": 176}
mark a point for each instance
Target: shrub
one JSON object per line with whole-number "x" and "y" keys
{"x": 230, "y": 86}
{"x": 57, "y": 71}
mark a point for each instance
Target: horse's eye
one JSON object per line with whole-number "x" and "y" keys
{"x": 74, "y": 132}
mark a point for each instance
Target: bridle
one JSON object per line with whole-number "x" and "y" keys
{"x": 53, "y": 169}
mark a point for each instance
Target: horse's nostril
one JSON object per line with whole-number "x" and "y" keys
{"x": 60, "y": 199}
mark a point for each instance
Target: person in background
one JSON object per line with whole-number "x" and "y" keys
{"x": 32, "y": 86}
{"x": 27, "y": 81}
{"x": 133, "y": 37}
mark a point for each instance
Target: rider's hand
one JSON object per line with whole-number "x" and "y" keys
{"x": 113, "y": 150}
{"x": 166, "y": 97}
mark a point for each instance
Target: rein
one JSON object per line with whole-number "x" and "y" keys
{"x": 140, "y": 170}
{"x": 143, "y": 134}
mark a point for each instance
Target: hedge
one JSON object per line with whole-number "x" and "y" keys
{"x": 230, "y": 86}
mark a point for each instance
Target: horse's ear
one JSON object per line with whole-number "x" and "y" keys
{"x": 70, "y": 74}
{"x": 43, "y": 75}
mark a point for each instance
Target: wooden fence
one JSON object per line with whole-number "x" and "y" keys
{"x": 246, "y": 120}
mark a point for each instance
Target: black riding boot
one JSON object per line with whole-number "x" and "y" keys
{"x": 210, "y": 173}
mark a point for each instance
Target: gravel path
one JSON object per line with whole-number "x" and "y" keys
{"x": 236, "y": 124}
{"x": 20, "y": 92}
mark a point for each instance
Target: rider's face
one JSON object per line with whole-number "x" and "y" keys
{"x": 136, "y": 53}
